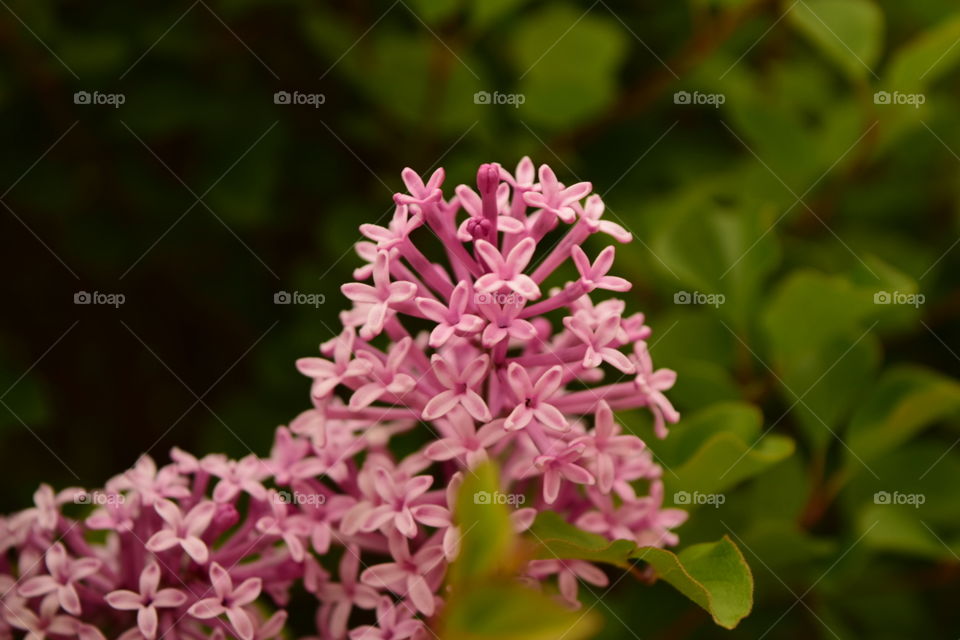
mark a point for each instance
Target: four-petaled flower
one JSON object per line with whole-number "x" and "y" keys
{"x": 421, "y": 193}
{"x": 461, "y": 386}
{"x": 146, "y": 602}
{"x": 387, "y": 377}
{"x": 465, "y": 441}
{"x": 394, "y": 622}
{"x": 183, "y": 530}
{"x": 508, "y": 272}
{"x": 591, "y": 216}
{"x": 562, "y": 466}
{"x": 568, "y": 573}
{"x": 229, "y": 600}
{"x": 407, "y": 575}
{"x": 327, "y": 375}
{"x": 553, "y": 197}
{"x": 64, "y": 573}
{"x": 451, "y": 319}
{"x": 533, "y": 399}
{"x": 400, "y": 227}
{"x": 598, "y": 341}
{"x": 380, "y": 296}
{"x": 606, "y": 442}
{"x": 595, "y": 276}
{"x": 342, "y": 597}
{"x": 652, "y": 384}
{"x": 246, "y": 474}
{"x": 401, "y": 506}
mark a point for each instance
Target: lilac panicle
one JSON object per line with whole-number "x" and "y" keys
{"x": 461, "y": 328}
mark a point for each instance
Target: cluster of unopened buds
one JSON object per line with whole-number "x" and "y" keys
{"x": 455, "y": 334}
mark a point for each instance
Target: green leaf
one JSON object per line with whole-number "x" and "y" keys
{"x": 822, "y": 355}
{"x": 904, "y": 401}
{"x": 714, "y": 575}
{"x": 434, "y": 11}
{"x": 848, "y": 32}
{"x": 723, "y": 461}
{"x": 898, "y": 529}
{"x": 484, "y": 13}
{"x": 554, "y": 537}
{"x": 487, "y": 540}
{"x": 917, "y": 64}
{"x": 737, "y": 418}
{"x": 561, "y": 84}
{"x": 724, "y": 251}
{"x": 506, "y": 610}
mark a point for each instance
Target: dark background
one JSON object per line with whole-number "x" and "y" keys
{"x": 199, "y": 198}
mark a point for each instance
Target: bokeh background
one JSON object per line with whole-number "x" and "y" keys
{"x": 789, "y": 171}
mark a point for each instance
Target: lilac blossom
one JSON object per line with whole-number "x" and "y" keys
{"x": 483, "y": 351}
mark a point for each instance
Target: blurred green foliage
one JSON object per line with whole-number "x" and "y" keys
{"x": 808, "y": 207}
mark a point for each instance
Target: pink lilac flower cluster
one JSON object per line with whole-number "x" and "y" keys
{"x": 461, "y": 329}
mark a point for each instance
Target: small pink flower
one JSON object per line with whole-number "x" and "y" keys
{"x": 246, "y": 474}
{"x": 327, "y": 375}
{"x": 291, "y": 528}
{"x": 394, "y": 622}
{"x": 401, "y": 506}
{"x": 401, "y": 226}
{"x": 594, "y": 276}
{"x": 229, "y": 600}
{"x": 64, "y": 573}
{"x": 421, "y": 193}
{"x": 289, "y": 458}
{"x": 508, "y": 272}
{"x": 407, "y": 575}
{"x": 115, "y": 515}
{"x": 652, "y": 384}
{"x": 591, "y": 216}
{"x": 562, "y": 466}
{"x": 183, "y": 530}
{"x": 387, "y": 377}
{"x": 533, "y": 399}
{"x": 553, "y": 197}
{"x": 146, "y": 602}
{"x": 605, "y": 444}
{"x": 451, "y": 319}
{"x": 460, "y": 388}
{"x": 149, "y": 484}
{"x": 465, "y": 441}
{"x": 504, "y": 323}
{"x": 598, "y": 341}
{"x": 568, "y": 573}
{"x": 37, "y": 627}
{"x": 381, "y": 296}
{"x": 341, "y": 597}
{"x": 522, "y": 180}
